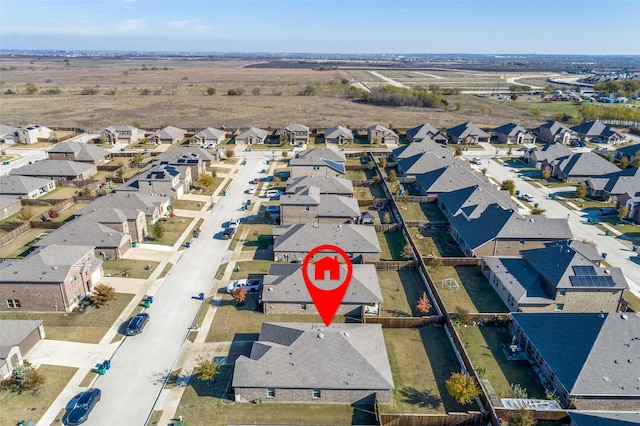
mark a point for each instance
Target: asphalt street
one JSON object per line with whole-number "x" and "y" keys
{"x": 131, "y": 387}
{"x": 618, "y": 254}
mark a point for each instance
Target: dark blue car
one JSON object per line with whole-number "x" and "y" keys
{"x": 83, "y": 406}
{"x": 137, "y": 323}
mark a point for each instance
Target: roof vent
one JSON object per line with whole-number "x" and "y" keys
{"x": 606, "y": 271}
{"x": 54, "y": 267}
{"x": 269, "y": 372}
{"x": 531, "y": 220}
{"x": 606, "y": 379}
{"x": 601, "y": 315}
{"x": 624, "y": 316}
{"x": 346, "y": 334}
{"x": 320, "y": 336}
{"x": 270, "y": 289}
{"x": 315, "y": 225}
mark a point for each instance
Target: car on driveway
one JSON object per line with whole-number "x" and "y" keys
{"x": 85, "y": 401}
{"x": 233, "y": 223}
{"x": 274, "y": 193}
{"x": 255, "y": 181}
{"x": 477, "y": 161}
{"x": 607, "y": 211}
{"x": 137, "y": 323}
{"x": 527, "y": 197}
{"x": 249, "y": 285}
{"x": 251, "y": 190}
{"x": 227, "y": 234}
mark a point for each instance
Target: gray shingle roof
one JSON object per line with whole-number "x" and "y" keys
{"x": 284, "y": 283}
{"x": 210, "y": 133}
{"x": 622, "y": 182}
{"x": 21, "y": 185}
{"x": 420, "y": 147}
{"x": 13, "y": 332}
{"x": 337, "y": 131}
{"x": 588, "y": 352}
{"x": 82, "y": 151}
{"x": 516, "y": 275}
{"x": 600, "y": 418}
{"x": 173, "y": 155}
{"x": 589, "y": 251}
{"x": 466, "y": 129}
{"x": 55, "y": 168}
{"x": 422, "y": 131}
{"x": 126, "y": 201}
{"x": 319, "y": 154}
{"x": 253, "y": 131}
{"x": 629, "y": 149}
{"x": 428, "y": 161}
{"x": 595, "y": 129}
{"x": 169, "y": 132}
{"x": 382, "y": 129}
{"x": 585, "y": 164}
{"x": 449, "y": 179}
{"x": 7, "y": 130}
{"x": 49, "y": 264}
{"x": 305, "y": 237}
{"x": 310, "y": 356}
{"x": 509, "y": 129}
{"x": 84, "y": 231}
{"x": 549, "y": 152}
{"x": 295, "y": 128}
{"x": 326, "y": 184}
{"x": 7, "y": 201}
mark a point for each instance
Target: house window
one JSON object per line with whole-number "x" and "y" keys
{"x": 271, "y": 392}
{"x": 13, "y": 303}
{"x": 303, "y": 306}
{"x": 316, "y": 393}
{"x": 306, "y": 207}
{"x": 562, "y": 291}
{"x": 316, "y": 167}
{"x": 559, "y": 306}
{"x": 521, "y": 242}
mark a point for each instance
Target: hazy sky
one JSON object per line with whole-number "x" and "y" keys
{"x": 324, "y": 26}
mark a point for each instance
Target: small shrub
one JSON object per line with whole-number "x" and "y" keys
{"x": 89, "y": 91}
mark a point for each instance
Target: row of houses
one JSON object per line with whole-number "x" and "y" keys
{"x": 299, "y": 134}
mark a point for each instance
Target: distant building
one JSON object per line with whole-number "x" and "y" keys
{"x": 122, "y": 134}
{"x": 25, "y": 187}
{"x": 378, "y": 134}
{"x": 467, "y": 133}
{"x": 168, "y": 135}
{"x": 77, "y": 151}
{"x": 295, "y": 134}
{"x": 252, "y": 136}
{"x": 308, "y": 205}
{"x": 338, "y": 135}
{"x": 34, "y": 133}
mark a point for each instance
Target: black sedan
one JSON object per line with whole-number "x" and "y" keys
{"x": 85, "y": 401}
{"x": 137, "y": 323}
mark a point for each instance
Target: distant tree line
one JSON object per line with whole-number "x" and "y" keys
{"x": 621, "y": 112}
{"x": 397, "y": 96}
{"x": 626, "y": 88}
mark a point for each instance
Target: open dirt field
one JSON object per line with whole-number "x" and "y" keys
{"x": 155, "y": 93}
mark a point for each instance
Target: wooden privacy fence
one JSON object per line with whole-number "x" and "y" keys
{"x": 394, "y": 265}
{"x": 386, "y": 227}
{"x": 404, "y": 322}
{"x": 41, "y": 202}
{"x": 39, "y": 224}
{"x": 15, "y": 232}
{"x": 452, "y": 261}
{"x": 416, "y": 198}
{"x": 561, "y": 416}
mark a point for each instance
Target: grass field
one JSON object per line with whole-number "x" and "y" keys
{"x": 391, "y": 245}
{"x": 421, "y": 361}
{"x": 400, "y": 292}
{"x": 187, "y": 204}
{"x": 475, "y": 294}
{"x": 173, "y": 229}
{"x": 86, "y": 327}
{"x": 483, "y": 346}
{"x": 130, "y": 268}
{"x": 435, "y": 242}
{"x": 16, "y": 408}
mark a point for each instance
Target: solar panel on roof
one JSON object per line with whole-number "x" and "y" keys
{"x": 592, "y": 281}
{"x": 584, "y": 270}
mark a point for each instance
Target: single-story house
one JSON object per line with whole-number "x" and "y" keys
{"x": 513, "y": 133}
{"x": 251, "y": 136}
{"x": 168, "y": 135}
{"x": 546, "y": 154}
{"x": 589, "y": 359}
{"x": 426, "y": 131}
{"x": 420, "y": 147}
{"x": 8, "y": 134}
{"x": 597, "y": 131}
{"x": 293, "y": 242}
{"x": 77, "y": 151}
{"x": 552, "y": 132}
{"x": 25, "y": 187}
{"x": 9, "y": 205}
{"x": 314, "y": 363}
{"x": 485, "y": 222}
{"x": 161, "y": 179}
{"x": 326, "y": 184}
{"x": 50, "y": 279}
{"x": 580, "y": 166}
{"x": 308, "y": 205}
{"x": 122, "y": 134}
{"x": 467, "y": 133}
{"x": 378, "y": 134}
{"x": 338, "y": 135}
{"x": 209, "y": 136}
{"x": 284, "y": 291}
{"x": 318, "y": 162}
{"x": 555, "y": 278}
{"x": 17, "y": 338}
{"x": 33, "y": 133}
{"x": 154, "y": 207}
{"x": 630, "y": 151}
{"x": 613, "y": 185}
{"x": 295, "y": 134}
{"x": 57, "y": 170}
{"x": 109, "y": 241}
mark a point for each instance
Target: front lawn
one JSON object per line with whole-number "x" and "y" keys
{"x": 173, "y": 227}
{"x": 89, "y": 326}
{"x": 421, "y": 361}
{"x": 130, "y": 268}
{"x": 474, "y": 293}
{"x": 401, "y": 291}
{"x": 259, "y": 237}
{"x": 16, "y": 408}
{"x": 187, "y": 204}
{"x": 483, "y": 347}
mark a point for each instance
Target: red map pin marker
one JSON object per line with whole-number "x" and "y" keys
{"x": 327, "y": 301}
